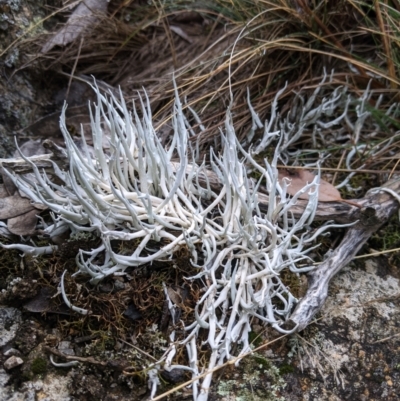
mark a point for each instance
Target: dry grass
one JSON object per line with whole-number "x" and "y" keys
{"x": 219, "y": 49}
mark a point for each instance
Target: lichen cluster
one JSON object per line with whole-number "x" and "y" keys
{"x": 163, "y": 198}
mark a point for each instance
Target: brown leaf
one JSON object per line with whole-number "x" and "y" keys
{"x": 9, "y": 186}
{"x": 300, "y": 178}
{"x": 3, "y": 192}
{"x": 25, "y": 224}
{"x": 327, "y": 192}
{"x": 13, "y": 206}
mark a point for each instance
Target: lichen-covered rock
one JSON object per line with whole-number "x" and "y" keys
{"x": 10, "y": 320}
{"x": 352, "y": 350}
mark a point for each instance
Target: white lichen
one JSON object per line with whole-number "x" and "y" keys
{"x": 137, "y": 191}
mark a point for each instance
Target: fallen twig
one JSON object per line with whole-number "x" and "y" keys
{"x": 88, "y": 359}
{"x": 378, "y": 207}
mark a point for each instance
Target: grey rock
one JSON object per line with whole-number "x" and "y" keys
{"x": 13, "y": 362}
{"x": 11, "y": 352}
{"x": 65, "y": 348}
{"x": 10, "y": 320}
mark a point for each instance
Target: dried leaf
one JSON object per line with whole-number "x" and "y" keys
{"x": 41, "y": 302}
{"x": 9, "y": 186}
{"x": 300, "y": 178}
{"x": 44, "y": 302}
{"x": 3, "y": 192}
{"x": 13, "y": 206}
{"x": 327, "y": 192}
{"x": 30, "y": 148}
{"x": 85, "y": 15}
{"x": 25, "y": 224}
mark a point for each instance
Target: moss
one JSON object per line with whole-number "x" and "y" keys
{"x": 39, "y": 366}
{"x": 293, "y": 282}
{"x": 285, "y": 369}
{"x": 262, "y": 362}
{"x": 360, "y": 184}
{"x": 104, "y": 341}
{"x": 255, "y": 339}
{"x": 388, "y": 237}
{"x": 26, "y": 376}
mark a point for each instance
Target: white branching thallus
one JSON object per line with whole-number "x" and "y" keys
{"x": 138, "y": 192}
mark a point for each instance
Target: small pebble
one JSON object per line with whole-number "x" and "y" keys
{"x": 13, "y": 362}
{"x": 388, "y": 380}
{"x": 65, "y": 348}
{"x": 11, "y": 352}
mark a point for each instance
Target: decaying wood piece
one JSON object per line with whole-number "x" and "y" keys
{"x": 45, "y": 162}
{"x": 378, "y": 207}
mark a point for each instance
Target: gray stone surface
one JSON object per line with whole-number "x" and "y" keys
{"x": 54, "y": 387}
{"x": 10, "y": 319}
